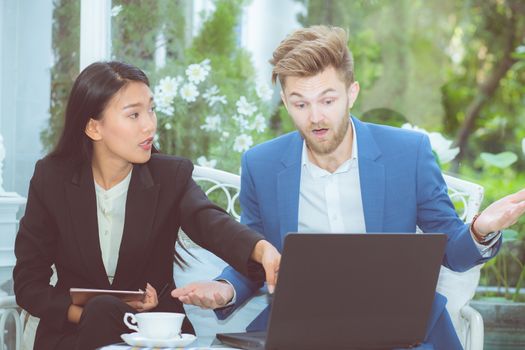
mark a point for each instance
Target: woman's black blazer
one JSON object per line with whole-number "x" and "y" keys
{"x": 60, "y": 227}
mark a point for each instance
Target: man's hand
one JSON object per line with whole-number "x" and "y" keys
{"x": 207, "y": 295}
{"x": 149, "y": 302}
{"x": 266, "y": 254}
{"x": 501, "y": 214}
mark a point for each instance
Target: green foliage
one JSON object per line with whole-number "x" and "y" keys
{"x": 66, "y": 38}
{"x": 134, "y": 39}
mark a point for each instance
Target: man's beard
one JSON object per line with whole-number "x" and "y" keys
{"x": 328, "y": 146}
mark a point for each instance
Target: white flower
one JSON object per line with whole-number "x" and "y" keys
{"x": 168, "y": 126}
{"x": 189, "y": 92}
{"x": 242, "y": 143}
{"x": 259, "y": 123}
{"x": 211, "y": 95}
{"x": 202, "y": 161}
{"x": 168, "y": 86}
{"x": 439, "y": 144}
{"x": 244, "y": 107}
{"x": 196, "y": 73}
{"x": 409, "y": 126}
{"x": 206, "y": 65}
{"x": 217, "y": 99}
{"x": 116, "y": 10}
{"x": 164, "y": 103}
{"x": 264, "y": 92}
{"x": 210, "y": 92}
{"x": 523, "y": 145}
{"x": 213, "y": 123}
{"x": 242, "y": 122}
{"x": 224, "y": 136}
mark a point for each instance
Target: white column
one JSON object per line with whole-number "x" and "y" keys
{"x": 95, "y": 31}
{"x": 8, "y": 226}
{"x": 265, "y": 24}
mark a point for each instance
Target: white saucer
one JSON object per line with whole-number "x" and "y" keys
{"x": 136, "y": 339}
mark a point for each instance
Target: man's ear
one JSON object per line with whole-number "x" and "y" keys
{"x": 353, "y": 92}
{"x": 91, "y": 129}
{"x": 283, "y": 98}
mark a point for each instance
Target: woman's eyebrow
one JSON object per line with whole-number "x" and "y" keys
{"x": 136, "y": 104}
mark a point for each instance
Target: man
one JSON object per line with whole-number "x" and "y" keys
{"x": 338, "y": 174}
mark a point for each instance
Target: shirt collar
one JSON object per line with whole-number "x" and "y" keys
{"x": 317, "y": 172}
{"x": 116, "y": 190}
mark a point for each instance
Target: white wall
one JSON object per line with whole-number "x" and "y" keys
{"x": 25, "y": 62}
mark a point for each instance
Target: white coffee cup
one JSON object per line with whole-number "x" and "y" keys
{"x": 155, "y": 325}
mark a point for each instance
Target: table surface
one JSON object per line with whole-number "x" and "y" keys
{"x": 202, "y": 343}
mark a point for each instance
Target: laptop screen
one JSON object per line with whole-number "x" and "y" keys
{"x": 354, "y": 290}
{"x": 348, "y": 291}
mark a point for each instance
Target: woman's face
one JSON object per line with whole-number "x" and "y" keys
{"x": 127, "y": 127}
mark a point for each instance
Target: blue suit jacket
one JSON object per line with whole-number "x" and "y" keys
{"x": 401, "y": 187}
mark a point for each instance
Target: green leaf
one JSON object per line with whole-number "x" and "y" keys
{"x": 500, "y": 160}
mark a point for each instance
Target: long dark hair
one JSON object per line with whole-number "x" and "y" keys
{"x": 89, "y": 96}
{"x": 91, "y": 92}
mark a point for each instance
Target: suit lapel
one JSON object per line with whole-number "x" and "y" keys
{"x": 81, "y": 198}
{"x": 141, "y": 204}
{"x": 371, "y": 176}
{"x": 288, "y": 182}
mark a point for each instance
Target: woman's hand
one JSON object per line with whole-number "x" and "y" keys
{"x": 207, "y": 295}
{"x": 149, "y": 302}
{"x": 74, "y": 312}
{"x": 268, "y": 256}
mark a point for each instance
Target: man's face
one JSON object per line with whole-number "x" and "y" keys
{"x": 319, "y": 106}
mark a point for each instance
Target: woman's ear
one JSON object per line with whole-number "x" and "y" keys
{"x": 91, "y": 129}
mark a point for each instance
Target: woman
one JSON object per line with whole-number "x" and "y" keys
{"x": 106, "y": 212}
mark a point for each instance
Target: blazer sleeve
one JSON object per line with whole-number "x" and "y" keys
{"x": 436, "y": 213}
{"x": 244, "y": 288}
{"x": 212, "y": 228}
{"x": 35, "y": 250}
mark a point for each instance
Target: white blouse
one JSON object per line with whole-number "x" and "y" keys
{"x": 111, "y": 213}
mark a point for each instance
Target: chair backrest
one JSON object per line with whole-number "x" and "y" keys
{"x": 460, "y": 287}
{"x": 466, "y": 196}
{"x": 220, "y": 186}
{"x": 218, "y": 182}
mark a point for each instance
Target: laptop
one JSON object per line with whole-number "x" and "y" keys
{"x": 350, "y": 291}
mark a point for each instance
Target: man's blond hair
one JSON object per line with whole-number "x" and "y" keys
{"x": 309, "y": 51}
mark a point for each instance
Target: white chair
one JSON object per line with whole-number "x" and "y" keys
{"x": 8, "y": 308}
{"x": 460, "y": 287}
